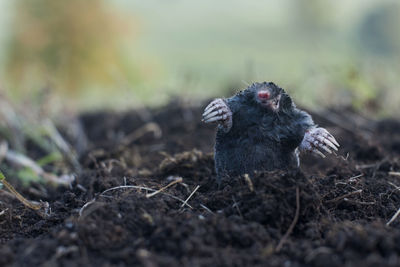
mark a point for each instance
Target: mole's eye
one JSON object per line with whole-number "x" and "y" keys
{"x": 263, "y": 95}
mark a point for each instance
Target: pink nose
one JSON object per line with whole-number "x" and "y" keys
{"x": 264, "y": 95}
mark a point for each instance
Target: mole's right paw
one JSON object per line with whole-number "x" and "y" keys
{"x": 218, "y": 112}
{"x": 319, "y": 138}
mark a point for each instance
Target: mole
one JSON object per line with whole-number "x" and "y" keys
{"x": 261, "y": 129}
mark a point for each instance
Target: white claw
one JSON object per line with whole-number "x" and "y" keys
{"x": 333, "y": 140}
{"x": 317, "y": 139}
{"x": 215, "y": 102}
{"x": 212, "y": 104}
{"x": 216, "y": 118}
{"x": 211, "y": 109}
{"x": 218, "y": 111}
{"x": 330, "y": 137}
{"x": 319, "y": 153}
{"x": 325, "y": 148}
{"x": 330, "y": 144}
{"x": 320, "y": 138}
{"x": 325, "y": 141}
{"x": 207, "y": 111}
{"x": 213, "y": 114}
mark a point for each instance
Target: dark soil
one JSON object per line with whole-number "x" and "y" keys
{"x": 345, "y": 200}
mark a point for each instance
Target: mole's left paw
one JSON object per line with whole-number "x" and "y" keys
{"x": 218, "y": 111}
{"x": 319, "y": 138}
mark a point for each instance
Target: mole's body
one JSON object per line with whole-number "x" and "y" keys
{"x": 260, "y": 128}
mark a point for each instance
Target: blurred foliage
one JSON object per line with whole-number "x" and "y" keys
{"x": 67, "y": 45}
{"x": 30, "y": 146}
{"x": 376, "y": 32}
{"x": 322, "y": 52}
{"x": 313, "y": 15}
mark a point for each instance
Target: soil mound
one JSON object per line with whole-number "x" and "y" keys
{"x": 331, "y": 213}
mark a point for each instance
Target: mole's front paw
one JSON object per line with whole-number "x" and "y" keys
{"x": 218, "y": 112}
{"x": 319, "y": 138}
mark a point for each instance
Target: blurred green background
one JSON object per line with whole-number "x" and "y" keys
{"x": 130, "y": 53}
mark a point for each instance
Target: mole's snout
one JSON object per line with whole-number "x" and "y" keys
{"x": 263, "y": 95}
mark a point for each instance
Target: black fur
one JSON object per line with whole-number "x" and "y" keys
{"x": 260, "y": 139}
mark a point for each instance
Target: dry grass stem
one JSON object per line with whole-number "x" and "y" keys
{"x": 103, "y": 194}
{"x": 236, "y": 205}
{"x": 148, "y": 127}
{"x": 249, "y": 182}
{"x": 344, "y": 196}
{"x": 179, "y": 180}
{"x": 85, "y": 206}
{"x": 194, "y": 191}
{"x": 342, "y": 157}
{"x": 23, "y": 200}
{"x": 3, "y": 211}
{"x": 206, "y": 208}
{"x": 394, "y": 217}
{"x": 366, "y": 166}
{"x": 395, "y": 186}
{"x": 357, "y": 176}
{"x": 143, "y": 188}
{"x": 293, "y": 224}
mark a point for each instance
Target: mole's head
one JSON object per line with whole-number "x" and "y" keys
{"x": 268, "y": 95}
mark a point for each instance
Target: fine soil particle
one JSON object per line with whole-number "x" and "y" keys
{"x": 345, "y": 200}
